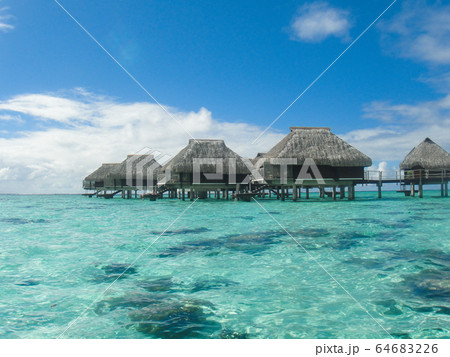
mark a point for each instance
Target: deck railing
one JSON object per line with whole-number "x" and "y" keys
{"x": 405, "y": 175}
{"x": 384, "y": 175}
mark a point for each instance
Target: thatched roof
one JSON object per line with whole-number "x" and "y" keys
{"x": 319, "y": 144}
{"x": 135, "y": 163}
{"x": 205, "y": 148}
{"x": 428, "y": 155}
{"x": 258, "y": 156}
{"x": 101, "y": 173}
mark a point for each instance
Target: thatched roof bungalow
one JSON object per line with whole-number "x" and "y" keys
{"x": 179, "y": 171}
{"x": 136, "y": 172}
{"x": 426, "y": 156}
{"x": 334, "y": 158}
{"x": 427, "y": 160}
{"x": 96, "y": 179}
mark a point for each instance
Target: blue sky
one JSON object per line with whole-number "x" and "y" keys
{"x": 223, "y": 69}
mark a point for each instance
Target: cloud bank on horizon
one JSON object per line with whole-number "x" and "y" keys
{"x": 92, "y": 129}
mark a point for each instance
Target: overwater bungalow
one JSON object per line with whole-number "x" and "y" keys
{"x": 96, "y": 180}
{"x": 427, "y": 163}
{"x": 218, "y": 169}
{"x": 326, "y": 159}
{"x": 136, "y": 172}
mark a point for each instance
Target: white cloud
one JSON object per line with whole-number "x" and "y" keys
{"x": 4, "y": 25}
{"x": 97, "y": 129}
{"x": 10, "y": 117}
{"x": 316, "y": 21}
{"x": 428, "y": 112}
{"x": 420, "y": 31}
{"x": 404, "y": 126}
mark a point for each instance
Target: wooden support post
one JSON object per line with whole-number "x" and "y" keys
{"x": 413, "y": 190}
{"x": 282, "y": 193}
{"x": 226, "y": 193}
{"x": 442, "y": 190}
{"x": 123, "y": 194}
{"x": 334, "y": 192}
{"x": 420, "y": 189}
{"x": 238, "y": 187}
{"x": 380, "y": 182}
{"x": 135, "y": 193}
{"x": 342, "y": 192}
{"x": 218, "y": 194}
{"x": 300, "y": 192}
{"x": 307, "y": 193}
{"x": 278, "y": 193}
{"x": 191, "y": 193}
{"x": 294, "y": 193}
{"x": 182, "y": 194}
{"x": 446, "y": 189}
{"x": 321, "y": 192}
{"x": 350, "y": 193}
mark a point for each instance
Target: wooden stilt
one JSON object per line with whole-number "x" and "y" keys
{"x": 413, "y": 190}
{"x": 420, "y": 190}
{"x": 379, "y": 190}
{"x": 334, "y": 192}
{"x": 446, "y": 189}
{"x": 342, "y": 192}
{"x": 282, "y": 193}
{"x": 307, "y": 193}
{"x": 350, "y": 193}
{"x": 294, "y": 193}
{"x": 238, "y": 187}
{"x": 191, "y": 194}
{"x": 322, "y": 192}
{"x": 182, "y": 194}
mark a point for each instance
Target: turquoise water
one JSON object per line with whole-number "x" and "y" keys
{"x": 224, "y": 269}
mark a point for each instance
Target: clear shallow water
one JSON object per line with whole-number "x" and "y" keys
{"x": 224, "y": 269}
